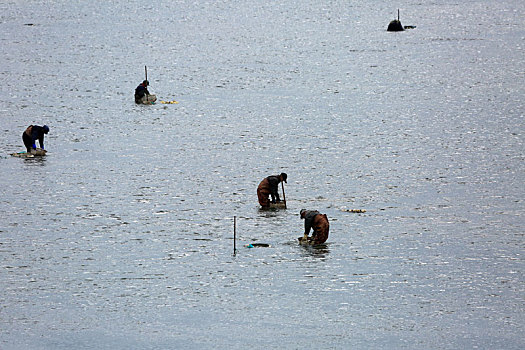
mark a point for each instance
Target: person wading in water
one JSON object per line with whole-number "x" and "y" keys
{"x": 142, "y": 95}
{"x": 317, "y": 221}
{"x": 269, "y": 187}
{"x": 33, "y": 133}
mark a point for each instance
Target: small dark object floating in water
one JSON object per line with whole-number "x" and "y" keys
{"x": 257, "y": 245}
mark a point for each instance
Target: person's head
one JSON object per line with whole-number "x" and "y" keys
{"x": 46, "y": 129}
{"x": 302, "y": 213}
{"x": 283, "y": 177}
{"x": 145, "y": 83}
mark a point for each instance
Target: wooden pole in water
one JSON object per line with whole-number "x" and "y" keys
{"x": 146, "y": 71}
{"x": 284, "y": 196}
{"x": 234, "y": 234}
{"x": 398, "y": 14}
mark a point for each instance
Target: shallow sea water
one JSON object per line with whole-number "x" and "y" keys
{"x": 122, "y": 237}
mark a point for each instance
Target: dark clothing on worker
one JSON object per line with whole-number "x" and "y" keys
{"x": 273, "y": 182}
{"x": 269, "y": 188}
{"x": 33, "y": 133}
{"x": 309, "y": 216}
{"x": 141, "y": 91}
{"x": 318, "y": 222}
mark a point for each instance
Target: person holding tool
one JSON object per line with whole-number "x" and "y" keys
{"x": 142, "y": 95}
{"x": 269, "y": 187}
{"x": 317, "y": 221}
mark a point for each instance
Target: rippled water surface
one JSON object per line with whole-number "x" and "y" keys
{"x": 122, "y": 237}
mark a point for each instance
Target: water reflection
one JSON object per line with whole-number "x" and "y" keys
{"x": 319, "y": 251}
{"x": 271, "y": 212}
{"x": 36, "y": 161}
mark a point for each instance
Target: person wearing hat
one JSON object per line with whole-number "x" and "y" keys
{"x": 269, "y": 187}
{"x": 33, "y": 133}
{"x": 317, "y": 221}
{"x": 142, "y": 95}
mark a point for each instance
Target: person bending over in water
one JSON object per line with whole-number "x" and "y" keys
{"x": 317, "y": 221}
{"x": 269, "y": 187}
{"x": 142, "y": 95}
{"x": 33, "y": 133}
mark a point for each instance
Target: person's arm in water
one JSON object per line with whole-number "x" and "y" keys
{"x": 309, "y": 221}
{"x": 307, "y": 227}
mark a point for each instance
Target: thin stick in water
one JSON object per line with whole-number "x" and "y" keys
{"x": 234, "y": 234}
{"x": 284, "y": 196}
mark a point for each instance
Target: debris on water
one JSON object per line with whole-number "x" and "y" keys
{"x": 257, "y": 245}
{"x": 278, "y": 205}
{"x": 354, "y": 210}
{"x": 34, "y": 153}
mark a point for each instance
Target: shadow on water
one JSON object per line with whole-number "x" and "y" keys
{"x": 319, "y": 251}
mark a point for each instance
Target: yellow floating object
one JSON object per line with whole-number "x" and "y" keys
{"x": 169, "y": 102}
{"x": 354, "y": 210}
